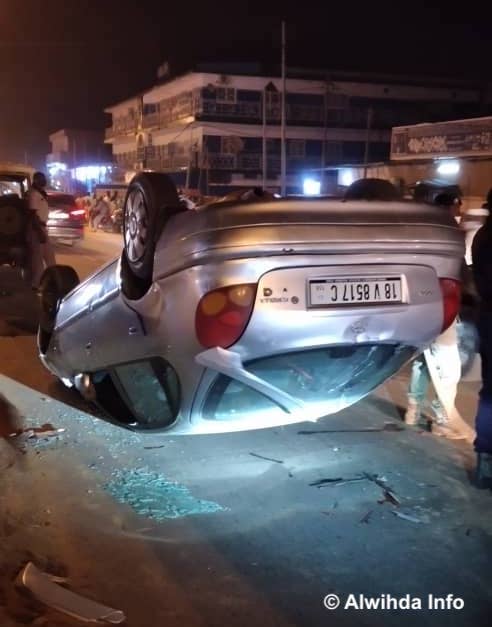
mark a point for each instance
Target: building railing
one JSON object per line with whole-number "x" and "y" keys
{"x": 58, "y": 157}
{"x": 126, "y": 159}
{"x": 206, "y": 107}
{"x": 122, "y": 126}
{"x": 254, "y": 110}
{"x": 230, "y": 110}
{"x": 150, "y": 120}
{"x": 244, "y": 162}
{"x": 254, "y": 161}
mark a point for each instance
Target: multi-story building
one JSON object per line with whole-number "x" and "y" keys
{"x": 214, "y": 131}
{"x": 78, "y": 155}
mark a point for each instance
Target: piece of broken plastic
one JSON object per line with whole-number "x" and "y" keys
{"x": 44, "y": 588}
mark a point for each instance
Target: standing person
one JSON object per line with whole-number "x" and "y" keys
{"x": 441, "y": 365}
{"x": 482, "y": 273}
{"x": 102, "y": 211}
{"x": 40, "y": 248}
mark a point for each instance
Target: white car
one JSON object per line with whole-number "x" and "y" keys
{"x": 250, "y": 313}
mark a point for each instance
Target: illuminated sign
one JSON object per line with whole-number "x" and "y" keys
{"x": 460, "y": 138}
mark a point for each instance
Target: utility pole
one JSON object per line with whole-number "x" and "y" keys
{"x": 325, "y": 135}
{"x": 368, "y": 137}
{"x": 190, "y": 156}
{"x": 283, "y": 160}
{"x": 74, "y": 157}
{"x": 264, "y": 141}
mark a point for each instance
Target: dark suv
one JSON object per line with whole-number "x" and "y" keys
{"x": 13, "y": 218}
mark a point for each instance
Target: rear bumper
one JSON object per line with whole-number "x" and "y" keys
{"x": 65, "y": 232}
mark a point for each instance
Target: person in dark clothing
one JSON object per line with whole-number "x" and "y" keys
{"x": 482, "y": 273}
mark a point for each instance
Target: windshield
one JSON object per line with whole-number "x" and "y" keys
{"x": 328, "y": 378}
{"x": 13, "y": 184}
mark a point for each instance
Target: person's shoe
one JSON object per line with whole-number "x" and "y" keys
{"x": 440, "y": 415}
{"x": 483, "y": 473}
{"x": 444, "y": 430}
{"x": 414, "y": 417}
{"x": 413, "y": 414}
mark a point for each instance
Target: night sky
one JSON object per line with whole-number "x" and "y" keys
{"x": 62, "y": 62}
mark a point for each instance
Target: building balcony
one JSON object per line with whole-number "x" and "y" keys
{"x": 207, "y": 108}
{"x": 295, "y": 113}
{"x": 126, "y": 160}
{"x": 122, "y": 126}
{"x": 240, "y": 110}
{"x": 248, "y": 162}
{"x": 177, "y": 162}
{"x": 59, "y": 156}
{"x": 151, "y": 120}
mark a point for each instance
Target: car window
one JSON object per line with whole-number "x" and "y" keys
{"x": 229, "y": 399}
{"x": 322, "y": 378}
{"x": 151, "y": 391}
{"x": 328, "y": 374}
{"x": 10, "y": 187}
{"x": 61, "y": 202}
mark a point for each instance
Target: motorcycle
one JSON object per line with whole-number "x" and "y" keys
{"x": 112, "y": 223}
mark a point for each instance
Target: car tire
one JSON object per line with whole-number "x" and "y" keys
{"x": 55, "y": 284}
{"x": 151, "y": 200}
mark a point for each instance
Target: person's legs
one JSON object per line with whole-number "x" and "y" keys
{"x": 444, "y": 364}
{"x": 48, "y": 253}
{"x": 37, "y": 265}
{"x": 417, "y": 391}
{"x": 483, "y": 420}
{"x": 97, "y": 220}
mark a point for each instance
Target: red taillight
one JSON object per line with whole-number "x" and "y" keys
{"x": 451, "y": 300}
{"x": 77, "y": 213}
{"x": 222, "y": 315}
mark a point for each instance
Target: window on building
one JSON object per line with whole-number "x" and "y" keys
{"x": 297, "y": 148}
{"x": 272, "y": 98}
{"x": 225, "y": 94}
{"x": 334, "y": 116}
{"x": 333, "y": 151}
{"x": 231, "y": 145}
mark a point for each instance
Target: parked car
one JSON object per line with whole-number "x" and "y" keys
{"x": 430, "y": 189}
{"x": 250, "y": 313}
{"x": 15, "y": 180}
{"x": 66, "y": 219}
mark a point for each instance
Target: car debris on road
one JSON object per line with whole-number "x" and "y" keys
{"x": 46, "y": 589}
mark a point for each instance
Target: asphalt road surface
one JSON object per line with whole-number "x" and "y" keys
{"x": 231, "y": 529}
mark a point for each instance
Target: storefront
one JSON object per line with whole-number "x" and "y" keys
{"x": 447, "y": 153}
{"x": 458, "y": 152}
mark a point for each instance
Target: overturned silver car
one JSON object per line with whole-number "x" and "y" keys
{"x": 250, "y": 313}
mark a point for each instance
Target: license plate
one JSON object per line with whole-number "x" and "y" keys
{"x": 354, "y": 291}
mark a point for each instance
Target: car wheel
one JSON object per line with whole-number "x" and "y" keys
{"x": 56, "y": 282}
{"x": 150, "y": 201}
